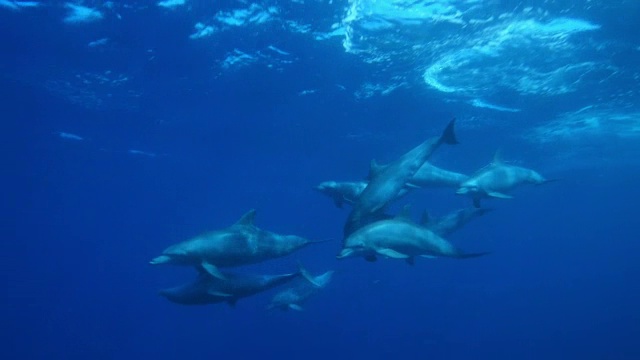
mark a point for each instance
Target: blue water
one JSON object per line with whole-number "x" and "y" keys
{"x": 123, "y": 133}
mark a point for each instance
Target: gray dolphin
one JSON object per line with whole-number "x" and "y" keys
{"x": 293, "y": 297}
{"x": 386, "y": 181}
{"x": 342, "y": 192}
{"x": 398, "y": 238}
{"x": 497, "y": 179}
{"x": 429, "y": 175}
{"x": 453, "y": 221}
{"x": 240, "y": 244}
{"x": 207, "y": 289}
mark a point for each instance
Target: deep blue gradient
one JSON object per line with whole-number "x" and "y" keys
{"x": 81, "y": 219}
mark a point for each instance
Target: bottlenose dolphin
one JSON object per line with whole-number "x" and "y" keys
{"x": 240, "y": 244}
{"x": 398, "y": 238}
{"x": 453, "y": 221}
{"x": 342, "y": 192}
{"x": 497, "y": 179}
{"x": 386, "y": 181}
{"x": 207, "y": 289}
{"x": 430, "y": 175}
{"x": 293, "y": 297}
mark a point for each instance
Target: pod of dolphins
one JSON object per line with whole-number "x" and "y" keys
{"x": 369, "y": 232}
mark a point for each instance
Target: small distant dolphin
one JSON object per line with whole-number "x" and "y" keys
{"x": 293, "y": 297}
{"x": 497, "y": 179}
{"x": 342, "y": 192}
{"x": 240, "y": 244}
{"x": 386, "y": 181}
{"x": 430, "y": 175}
{"x": 207, "y": 289}
{"x": 399, "y": 238}
{"x": 453, "y": 221}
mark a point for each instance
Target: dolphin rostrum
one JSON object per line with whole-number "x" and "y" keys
{"x": 387, "y": 181}
{"x": 240, "y": 244}
{"x": 497, "y": 179}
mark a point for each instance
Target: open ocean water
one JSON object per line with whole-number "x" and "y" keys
{"x": 130, "y": 126}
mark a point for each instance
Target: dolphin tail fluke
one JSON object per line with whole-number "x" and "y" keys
{"x": 448, "y": 135}
{"x": 307, "y": 275}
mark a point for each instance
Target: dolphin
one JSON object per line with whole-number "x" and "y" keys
{"x": 453, "y": 221}
{"x": 293, "y": 297}
{"x": 497, "y": 179}
{"x": 240, "y": 244}
{"x": 207, "y": 289}
{"x": 429, "y": 175}
{"x": 342, "y": 192}
{"x": 386, "y": 181}
{"x": 399, "y": 238}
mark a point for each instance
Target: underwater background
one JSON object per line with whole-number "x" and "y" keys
{"x": 130, "y": 126}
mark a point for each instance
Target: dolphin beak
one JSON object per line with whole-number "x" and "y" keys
{"x": 162, "y": 259}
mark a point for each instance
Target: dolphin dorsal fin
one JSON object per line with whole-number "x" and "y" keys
{"x": 374, "y": 169}
{"x": 405, "y": 213}
{"x": 497, "y": 157}
{"x": 424, "y": 220}
{"x": 247, "y": 219}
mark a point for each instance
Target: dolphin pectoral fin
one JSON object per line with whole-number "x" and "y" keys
{"x": 295, "y": 307}
{"x": 232, "y": 302}
{"x": 392, "y": 254}
{"x": 411, "y": 261}
{"x": 476, "y": 202}
{"x": 371, "y": 258}
{"x": 499, "y": 195}
{"x": 218, "y": 293}
{"x": 213, "y": 270}
{"x": 338, "y": 202}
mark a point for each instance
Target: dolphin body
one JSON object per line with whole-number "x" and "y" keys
{"x": 207, "y": 289}
{"x": 429, "y": 175}
{"x": 453, "y": 221}
{"x": 240, "y": 244}
{"x": 497, "y": 179}
{"x": 399, "y": 238}
{"x": 294, "y": 297}
{"x": 387, "y": 181}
